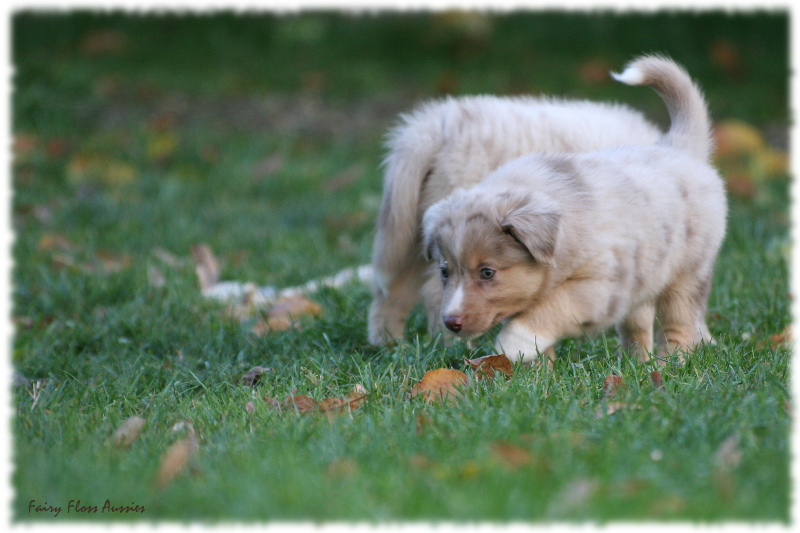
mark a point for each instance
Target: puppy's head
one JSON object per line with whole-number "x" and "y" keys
{"x": 494, "y": 249}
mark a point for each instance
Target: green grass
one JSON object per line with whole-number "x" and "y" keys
{"x": 232, "y": 129}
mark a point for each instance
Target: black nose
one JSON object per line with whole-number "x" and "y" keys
{"x": 454, "y": 323}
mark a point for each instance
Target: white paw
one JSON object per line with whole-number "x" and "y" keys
{"x": 520, "y": 343}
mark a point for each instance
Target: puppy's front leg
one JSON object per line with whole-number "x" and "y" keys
{"x": 569, "y": 310}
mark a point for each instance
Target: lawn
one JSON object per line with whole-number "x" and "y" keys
{"x": 139, "y": 137}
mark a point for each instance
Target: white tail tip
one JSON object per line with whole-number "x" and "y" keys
{"x": 630, "y": 76}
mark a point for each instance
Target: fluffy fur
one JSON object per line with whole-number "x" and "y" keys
{"x": 561, "y": 245}
{"x": 455, "y": 143}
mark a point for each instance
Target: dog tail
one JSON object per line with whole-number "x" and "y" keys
{"x": 413, "y": 146}
{"x": 690, "y": 125}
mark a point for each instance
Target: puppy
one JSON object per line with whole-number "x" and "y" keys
{"x": 456, "y": 143}
{"x": 560, "y": 245}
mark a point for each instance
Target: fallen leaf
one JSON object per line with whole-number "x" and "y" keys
{"x": 513, "y": 457}
{"x": 439, "y": 384}
{"x": 486, "y": 366}
{"x": 612, "y": 384}
{"x": 128, "y": 432}
{"x": 177, "y": 456}
{"x": 250, "y": 407}
{"x": 655, "y": 378}
{"x": 357, "y": 396}
{"x": 286, "y": 313}
{"x": 300, "y": 403}
{"x": 254, "y": 375}
{"x": 779, "y": 339}
{"x": 206, "y": 266}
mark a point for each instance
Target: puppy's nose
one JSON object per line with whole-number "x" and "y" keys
{"x": 454, "y": 323}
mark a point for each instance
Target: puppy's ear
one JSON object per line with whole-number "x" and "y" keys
{"x": 430, "y": 225}
{"x": 536, "y": 229}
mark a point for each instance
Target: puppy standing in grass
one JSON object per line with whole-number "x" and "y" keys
{"x": 456, "y": 143}
{"x": 561, "y": 245}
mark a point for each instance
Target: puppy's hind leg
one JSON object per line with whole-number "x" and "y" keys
{"x": 390, "y": 307}
{"x": 636, "y": 331}
{"x": 681, "y": 312}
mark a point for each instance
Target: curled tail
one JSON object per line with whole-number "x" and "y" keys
{"x": 690, "y": 124}
{"x": 413, "y": 146}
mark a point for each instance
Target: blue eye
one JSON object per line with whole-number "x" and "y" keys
{"x": 486, "y": 273}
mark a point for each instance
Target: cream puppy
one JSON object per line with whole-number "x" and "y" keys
{"x": 456, "y": 143}
{"x": 561, "y": 245}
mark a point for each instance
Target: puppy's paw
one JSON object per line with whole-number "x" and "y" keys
{"x": 522, "y": 344}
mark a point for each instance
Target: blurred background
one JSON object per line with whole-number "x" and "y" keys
{"x": 261, "y": 134}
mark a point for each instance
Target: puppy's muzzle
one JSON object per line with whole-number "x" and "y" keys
{"x": 453, "y": 323}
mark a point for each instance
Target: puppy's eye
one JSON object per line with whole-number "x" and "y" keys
{"x": 486, "y": 273}
{"x": 445, "y": 272}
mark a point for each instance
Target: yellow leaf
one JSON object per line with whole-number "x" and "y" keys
{"x": 439, "y": 384}
{"x": 128, "y": 432}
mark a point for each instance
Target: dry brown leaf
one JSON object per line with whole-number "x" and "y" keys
{"x": 128, "y": 432}
{"x": 440, "y": 384}
{"x": 779, "y": 339}
{"x": 733, "y": 137}
{"x": 486, "y": 366}
{"x": 513, "y": 457}
{"x": 177, "y": 457}
{"x": 250, "y": 407}
{"x": 206, "y": 266}
{"x": 357, "y": 396}
{"x": 294, "y": 307}
{"x": 254, "y": 375}
{"x": 612, "y": 384}
{"x": 300, "y": 403}
{"x": 655, "y": 377}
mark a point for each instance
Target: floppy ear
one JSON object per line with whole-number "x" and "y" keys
{"x": 535, "y": 229}
{"x": 430, "y": 223}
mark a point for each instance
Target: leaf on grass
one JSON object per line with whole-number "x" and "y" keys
{"x": 128, "y": 431}
{"x": 286, "y": 314}
{"x": 440, "y": 384}
{"x": 254, "y": 375}
{"x": 595, "y": 71}
{"x": 300, "y": 403}
{"x": 250, "y": 407}
{"x": 779, "y": 339}
{"x": 486, "y": 366}
{"x": 655, "y": 378}
{"x": 513, "y": 457}
{"x": 99, "y": 170}
{"x": 206, "y": 266}
{"x": 612, "y": 384}
{"x": 177, "y": 457}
